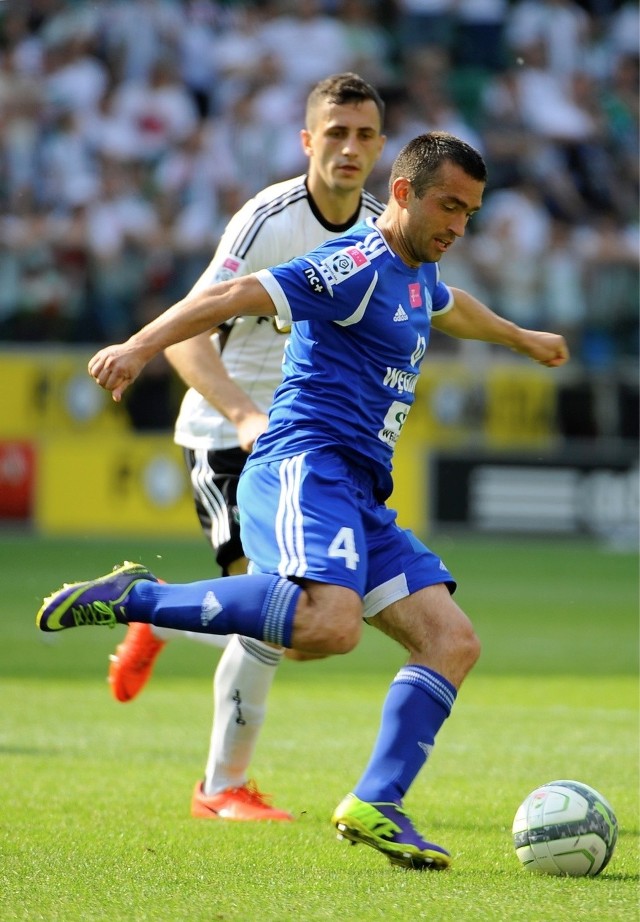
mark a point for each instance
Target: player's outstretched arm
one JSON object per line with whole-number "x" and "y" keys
{"x": 471, "y": 319}
{"x": 116, "y": 367}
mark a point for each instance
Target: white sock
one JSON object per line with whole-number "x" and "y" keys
{"x": 240, "y": 687}
{"x": 170, "y": 633}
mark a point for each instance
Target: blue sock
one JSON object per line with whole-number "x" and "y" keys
{"x": 418, "y": 702}
{"x": 257, "y": 605}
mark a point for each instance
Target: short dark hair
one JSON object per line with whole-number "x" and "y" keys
{"x": 343, "y": 90}
{"x": 420, "y": 160}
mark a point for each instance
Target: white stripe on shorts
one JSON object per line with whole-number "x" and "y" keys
{"x": 288, "y": 525}
{"x": 202, "y": 478}
{"x": 392, "y": 591}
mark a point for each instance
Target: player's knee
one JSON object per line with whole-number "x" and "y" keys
{"x": 328, "y": 620}
{"x": 344, "y": 638}
{"x": 466, "y": 643}
{"x": 472, "y": 647}
{"x": 329, "y": 633}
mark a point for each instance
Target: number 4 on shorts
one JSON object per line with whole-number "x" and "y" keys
{"x": 344, "y": 545}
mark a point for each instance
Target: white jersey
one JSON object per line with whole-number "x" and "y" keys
{"x": 279, "y": 223}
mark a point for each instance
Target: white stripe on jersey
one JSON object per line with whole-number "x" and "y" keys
{"x": 374, "y": 244}
{"x": 361, "y": 308}
{"x": 288, "y": 524}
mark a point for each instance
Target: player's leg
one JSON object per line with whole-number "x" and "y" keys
{"x": 297, "y": 536}
{"x": 263, "y": 606}
{"x": 442, "y": 649}
{"x": 241, "y": 684}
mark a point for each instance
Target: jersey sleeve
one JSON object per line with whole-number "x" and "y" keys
{"x": 442, "y": 299}
{"x": 337, "y": 287}
{"x": 277, "y": 295}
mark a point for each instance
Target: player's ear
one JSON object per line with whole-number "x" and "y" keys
{"x": 400, "y": 190}
{"x": 305, "y": 141}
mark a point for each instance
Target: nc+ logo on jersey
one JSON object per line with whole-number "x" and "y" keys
{"x": 313, "y": 280}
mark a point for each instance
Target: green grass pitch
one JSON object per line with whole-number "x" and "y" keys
{"x": 95, "y": 818}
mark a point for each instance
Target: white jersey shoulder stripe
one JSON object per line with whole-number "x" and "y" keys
{"x": 370, "y": 202}
{"x": 245, "y": 237}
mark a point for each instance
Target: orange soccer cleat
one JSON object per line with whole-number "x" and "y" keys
{"x": 244, "y": 803}
{"x": 131, "y": 665}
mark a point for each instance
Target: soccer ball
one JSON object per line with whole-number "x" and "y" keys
{"x": 565, "y": 828}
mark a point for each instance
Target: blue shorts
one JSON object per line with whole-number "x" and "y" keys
{"x": 313, "y": 516}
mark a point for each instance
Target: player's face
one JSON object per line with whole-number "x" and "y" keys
{"x": 343, "y": 144}
{"x": 431, "y": 224}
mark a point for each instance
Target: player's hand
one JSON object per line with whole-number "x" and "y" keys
{"x": 251, "y": 426}
{"x": 115, "y": 367}
{"x": 548, "y": 349}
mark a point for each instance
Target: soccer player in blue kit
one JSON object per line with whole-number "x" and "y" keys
{"x": 325, "y": 549}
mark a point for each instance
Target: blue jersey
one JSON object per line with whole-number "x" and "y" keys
{"x": 361, "y": 321}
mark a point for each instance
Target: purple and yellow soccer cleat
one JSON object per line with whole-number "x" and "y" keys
{"x": 386, "y": 827}
{"x": 101, "y": 601}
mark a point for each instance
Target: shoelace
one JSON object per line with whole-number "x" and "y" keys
{"x": 250, "y": 794}
{"x": 97, "y": 613}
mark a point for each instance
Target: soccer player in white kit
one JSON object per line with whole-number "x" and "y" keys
{"x": 231, "y": 379}
{"x": 327, "y": 550}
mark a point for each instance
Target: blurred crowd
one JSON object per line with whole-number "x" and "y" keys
{"x": 130, "y": 131}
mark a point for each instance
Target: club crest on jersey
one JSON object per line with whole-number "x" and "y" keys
{"x": 345, "y": 263}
